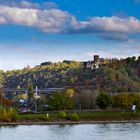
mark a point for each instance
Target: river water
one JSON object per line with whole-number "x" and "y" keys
{"x": 72, "y": 132}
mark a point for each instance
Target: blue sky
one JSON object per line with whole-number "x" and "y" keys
{"x": 35, "y": 31}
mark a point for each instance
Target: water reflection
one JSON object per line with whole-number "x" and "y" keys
{"x": 71, "y": 132}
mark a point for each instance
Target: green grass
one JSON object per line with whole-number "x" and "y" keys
{"x": 102, "y": 116}
{"x": 35, "y": 117}
{"x": 95, "y": 116}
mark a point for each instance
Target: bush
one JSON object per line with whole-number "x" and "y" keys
{"x": 103, "y": 100}
{"x": 12, "y": 114}
{"x": 46, "y": 117}
{"x": 1, "y": 111}
{"x": 9, "y": 115}
{"x": 74, "y": 117}
{"x": 5, "y": 116}
{"x": 62, "y": 115}
{"x": 122, "y": 100}
{"x": 136, "y": 99}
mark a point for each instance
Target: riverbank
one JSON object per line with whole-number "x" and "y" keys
{"x": 65, "y": 122}
{"x": 84, "y": 118}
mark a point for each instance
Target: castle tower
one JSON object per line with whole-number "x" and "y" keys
{"x": 96, "y": 58}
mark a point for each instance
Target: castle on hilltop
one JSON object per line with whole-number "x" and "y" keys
{"x": 96, "y": 63}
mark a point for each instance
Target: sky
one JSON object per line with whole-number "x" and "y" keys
{"x": 35, "y": 31}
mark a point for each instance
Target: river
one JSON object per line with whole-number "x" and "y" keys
{"x": 130, "y": 131}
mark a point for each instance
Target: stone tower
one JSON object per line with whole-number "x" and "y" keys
{"x": 96, "y": 58}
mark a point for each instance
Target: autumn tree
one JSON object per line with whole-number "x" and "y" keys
{"x": 122, "y": 100}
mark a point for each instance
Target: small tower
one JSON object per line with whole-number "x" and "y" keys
{"x": 96, "y": 58}
{"x": 36, "y": 95}
{"x": 36, "y": 91}
{"x": 96, "y": 62}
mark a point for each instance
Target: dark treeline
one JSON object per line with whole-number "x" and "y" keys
{"x": 115, "y": 76}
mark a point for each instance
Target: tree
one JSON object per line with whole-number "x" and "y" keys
{"x": 70, "y": 92}
{"x": 23, "y": 96}
{"x": 60, "y": 101}
{"x": 41, "y": 103}
{"x": 136, "y": 99}
{"x": 85, "y": 98}
{"x": 1, "y": 97}
{"x": 122, "y": 100}
{"x": 3, "y": 100}
{"x": 138, "y": 59}
{"x": 30, "y": 90}
{"x": 2, "y": 79}
{"x": 103, "y": 100}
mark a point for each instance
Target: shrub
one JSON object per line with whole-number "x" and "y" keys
{"x": 62, "y": 115}
{"x": 74, "y": 117}
{"x": 12, "y": 114}
{"x": 103, "y": 100}
{"x": 1, "y": 112}
{"x": 5, "y": 116}
{"x": 46, "y": 117}
{"x": 136, "y": 99}
{"x": 122, "y": 100}
{"x": 9, "y": 115}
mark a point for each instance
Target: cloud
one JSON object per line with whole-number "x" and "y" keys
{"x": 50, "y": 5}
{"x": 118, "y": 50}
{"x": 114, "y": 36}
{"x": 29, "y": 4}
{"x": 109, "y": 27}
{"x": 137, "y": 1}
{"x": 49, "y": 21}
{"x": 53, "y": 20}
{"x": 111, "y": 24}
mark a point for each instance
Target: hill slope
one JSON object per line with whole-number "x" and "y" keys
{"x": 116, "y": 76}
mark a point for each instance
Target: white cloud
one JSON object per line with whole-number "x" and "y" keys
{"x": 53, "y": 20}
{"x": 116, "y": 24}
{"x": 109, "y": 27}
{"x": 49, "y": 21}
{"x": 50, "y": 5}
{"x": 28, "y": 4}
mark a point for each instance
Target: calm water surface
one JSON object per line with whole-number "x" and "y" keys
{"x": 72, "y": 132}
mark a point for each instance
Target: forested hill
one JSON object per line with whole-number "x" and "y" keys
{"x": 115, "y": 76}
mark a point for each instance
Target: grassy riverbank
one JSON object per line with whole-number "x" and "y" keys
{"x": 83, "y": 116}
{"x": 109, "y": 116}
{"x": 72, "y": 118}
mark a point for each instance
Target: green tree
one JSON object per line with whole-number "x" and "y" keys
{"x": 103, "y": 100}
{"x": 60, "y": 101}
{"x": 138, "y": 59}
{"x": 30, "y": 90}
{"x": 136, "y": 99}
{"x": 2, "y": 79}
{"x": 122, "y": 100}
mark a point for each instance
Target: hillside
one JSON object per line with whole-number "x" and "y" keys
{"x": 115, "y": 76}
